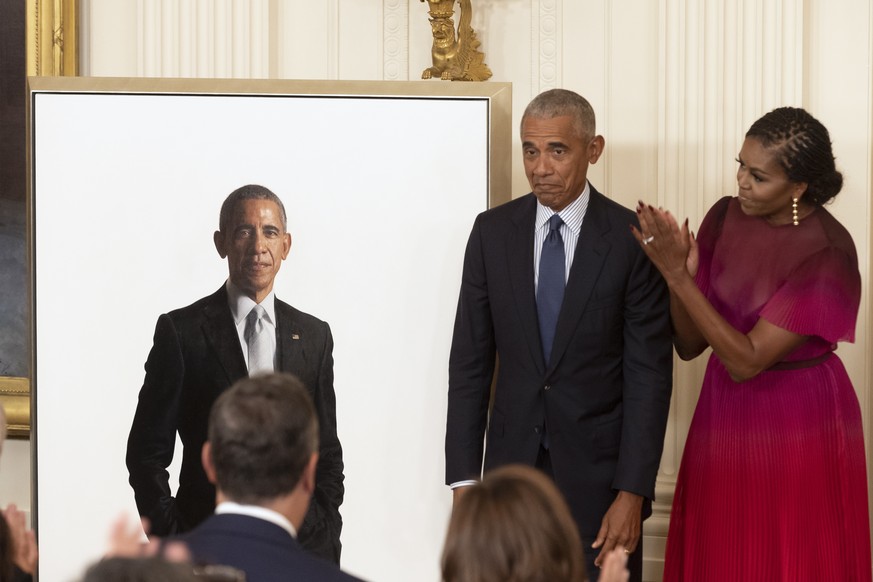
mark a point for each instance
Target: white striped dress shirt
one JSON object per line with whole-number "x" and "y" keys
{"x": 572, "y": 216}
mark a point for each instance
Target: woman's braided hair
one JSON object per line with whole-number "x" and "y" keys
{"x": 803, "y": 147}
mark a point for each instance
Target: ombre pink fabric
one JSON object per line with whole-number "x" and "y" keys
{"x": 773, "y": 483}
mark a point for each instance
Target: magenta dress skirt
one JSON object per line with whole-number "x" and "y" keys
{"x": 773, "y": 484}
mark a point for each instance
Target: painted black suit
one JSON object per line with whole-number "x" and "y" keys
{"x": 603, "y": 397}
{"x": 195, "y": 357}
{"x": 263, "y": 550}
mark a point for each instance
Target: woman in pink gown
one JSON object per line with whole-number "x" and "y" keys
{"x": 773, "y": 483}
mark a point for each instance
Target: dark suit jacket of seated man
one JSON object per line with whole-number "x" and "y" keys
{"x": 261, "y": 455}
{"x": 199, "y": 352}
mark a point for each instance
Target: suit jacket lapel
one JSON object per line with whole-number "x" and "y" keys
{"x": 289, "y": 336}
{"x": 221, "y": 335}
{"x": 589, "y": 259}
{"x": 519, "y": 257}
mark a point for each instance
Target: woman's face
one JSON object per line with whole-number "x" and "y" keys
{"x": 764, "y": 189}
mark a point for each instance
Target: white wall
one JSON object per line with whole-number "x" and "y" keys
{"x": 675, "y": 83}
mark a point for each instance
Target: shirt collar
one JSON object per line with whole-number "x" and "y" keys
{"x": 241, "y": 304}
{"x": 258, "y": 512}
{"x": 572, "y": 215}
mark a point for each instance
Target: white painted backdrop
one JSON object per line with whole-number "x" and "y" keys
{"x": 675, "y": 83}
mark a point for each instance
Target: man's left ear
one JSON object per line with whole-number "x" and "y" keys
{"x": 218, "y": 239}
{"x": 595, "y": 148}
{"x": 286, "y": 245}
{"x": 208, "y": 465}
{"x": 307, "y": 479}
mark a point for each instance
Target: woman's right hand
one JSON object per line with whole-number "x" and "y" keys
{"x": 671, "y": 248}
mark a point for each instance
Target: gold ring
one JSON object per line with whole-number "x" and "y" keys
{"x": 626, "y": 551}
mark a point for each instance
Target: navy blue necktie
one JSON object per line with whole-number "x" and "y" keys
{"x": 550, "y": 285}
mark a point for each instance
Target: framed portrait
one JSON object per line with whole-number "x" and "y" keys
{"x": 381, "y": 182}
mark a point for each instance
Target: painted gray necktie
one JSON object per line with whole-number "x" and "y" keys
{"x": 258, "y": 341}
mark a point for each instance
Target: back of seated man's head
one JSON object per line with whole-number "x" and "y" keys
{"x": 262, "y": 433}
{"x": 139, "y": 569}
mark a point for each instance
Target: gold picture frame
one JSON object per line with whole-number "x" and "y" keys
{"x": 52, "y": 38}
{"x": 15, "y": 398}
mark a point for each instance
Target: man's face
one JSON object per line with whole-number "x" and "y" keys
{"x": 255, "y": 245}
{"x": 556, "y": 159}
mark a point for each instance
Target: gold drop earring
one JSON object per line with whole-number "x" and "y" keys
{"x": 794, "y": 211}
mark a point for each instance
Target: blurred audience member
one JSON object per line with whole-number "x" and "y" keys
{"x": 139, "y": 569}
{"x": 157, "y": 569}
{"x": 18, "y": 551}
{"x": 514, "y": 526}
{"x": 130, "y": 559}
{"x": 261, "y": 455}
{"x": 21, "y": 544}
{"x": 7, "y": 563}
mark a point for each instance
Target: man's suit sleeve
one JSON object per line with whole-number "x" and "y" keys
{"x": 329, "y": 490}
{"x": 471, "y": 367}
{"x": 648, "y": 375}
{"x": 152, "y": 439}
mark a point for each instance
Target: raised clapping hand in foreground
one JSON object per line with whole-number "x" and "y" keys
{"x": 125, "y": 541}
{"x": 23, "y": 540}
{"x": 614, "y": 567}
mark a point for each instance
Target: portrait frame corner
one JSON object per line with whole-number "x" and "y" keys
{"x": 15, "y": 399}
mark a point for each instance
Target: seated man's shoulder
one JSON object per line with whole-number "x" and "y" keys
{"x": 328, "y": 572}
{"x": 258, "y": 548}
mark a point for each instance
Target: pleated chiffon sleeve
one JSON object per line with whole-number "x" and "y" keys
{"x": 820, "y": 298}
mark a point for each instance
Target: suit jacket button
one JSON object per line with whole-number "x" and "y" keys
{"x": 538, "y": 430}
{"x": 547, "y": 387}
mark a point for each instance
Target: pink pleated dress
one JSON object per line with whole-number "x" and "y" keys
{"x": 772, "y": 484}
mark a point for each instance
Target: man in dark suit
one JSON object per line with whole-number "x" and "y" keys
{"x": 200, "y": 350}
{"x": 261, "y": 455}
{"x": 558, "y": 297}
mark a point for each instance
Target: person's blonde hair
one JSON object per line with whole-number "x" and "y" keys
{"x": 514, "y": 526}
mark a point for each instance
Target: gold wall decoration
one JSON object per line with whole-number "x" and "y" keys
{"x": 15, "y": 399}
{"x": 52, "y": 38}
{"x": 456, "y": 57}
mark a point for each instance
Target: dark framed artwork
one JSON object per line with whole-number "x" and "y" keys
{"x": 36, "y": 38}
{"x": 14, "y": 353}
{"x": 381, "y": 181}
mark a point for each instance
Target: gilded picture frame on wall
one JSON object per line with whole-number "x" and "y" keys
{"x": 51, "y": 49}
{"x": 15, "y": 398}
{"x": 52, "y": 38}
